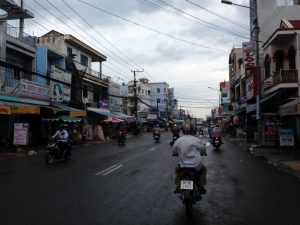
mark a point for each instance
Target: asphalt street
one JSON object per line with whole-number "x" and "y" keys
{"x": 133, "y": 185}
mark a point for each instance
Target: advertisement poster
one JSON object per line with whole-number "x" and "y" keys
{"x": 21, "y": 131}
{"x": 286, "y": 137}
{"x": 272, "y": 127}
{"x": 60, "y": 92}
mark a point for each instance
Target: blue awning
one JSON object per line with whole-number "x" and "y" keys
{"x": 103, "y": 112}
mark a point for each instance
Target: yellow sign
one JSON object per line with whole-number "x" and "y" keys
{"x": 22, "y": 109}
{"x": 77, "y": 113}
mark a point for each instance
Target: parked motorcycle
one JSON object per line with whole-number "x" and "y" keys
{"x": 216, "y": 142}
{"x": 54, "y": 151}
{"x": 121, "y": 138}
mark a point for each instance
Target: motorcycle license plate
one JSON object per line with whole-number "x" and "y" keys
{"x": 217, "y": 142}
{"x": 187, "y": 185}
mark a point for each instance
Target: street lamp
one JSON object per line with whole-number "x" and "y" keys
{"x": 258, "y": 80}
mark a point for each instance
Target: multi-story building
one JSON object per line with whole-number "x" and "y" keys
{"x": 277, "y": 80}
{"x": 159, "y": 98}
{"x": 143, "y": 91}
{"x": 87, "y": 89}
{"x": 21, "y": 96}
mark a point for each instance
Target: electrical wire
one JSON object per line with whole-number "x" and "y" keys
{"x": 61, "y": 21}
{"x": 205, "y": 22}
{"x": 153, "y": 30}
{"x": 219, "y": 15}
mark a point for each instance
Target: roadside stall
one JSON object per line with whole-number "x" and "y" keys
{"x": 74, "y": 126}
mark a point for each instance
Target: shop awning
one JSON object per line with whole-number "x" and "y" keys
{"x": 9, "y": 108}
{"x": 121, "y": 115}
{"x": 64, "y": 118}
{"x": 103, "y": 112}
{"x": 72, "y": 111}
{"x": 290, "y": 108}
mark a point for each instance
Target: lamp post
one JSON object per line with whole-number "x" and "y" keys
{"x": 258, "y": 80}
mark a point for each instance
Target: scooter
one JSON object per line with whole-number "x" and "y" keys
{"x": 216, "y": 142}
{"x": 121, "y": 138}
{"x": 54, "y": 151}
{"x": 156, "y": 138}
{"x": 189, "y": 192}
{"x": 175, "y": 137}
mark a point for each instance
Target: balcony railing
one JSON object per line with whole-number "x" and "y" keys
{"x": 281, "y": 77}
{"x": 90, "y": 71}
{"x": 285, "y": 76}
{"x": 15, "y": 33}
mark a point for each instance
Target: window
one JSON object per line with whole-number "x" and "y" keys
{"x": 292, "y": 57}
{"x": 69, "y": 51}
{"x": 278, "y": 57}
{"x": 96, "y": 95}
{"x": 139, "y": 89}
{"x": 267, "y": 64}
{"x": 84, "y": 60}
{"x": 85, "y": 91}
{"x": 285, "y": 2}
{"x": 240, "y": 62}
{"x": 149, "y": 93}
{"x": 165, "y": 90}
{"x": 158, "y": 90}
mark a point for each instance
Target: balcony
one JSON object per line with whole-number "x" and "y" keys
{"x": 89, "y": 71}
{"x": 24, "y": 88}
{"x": 25, "y": 38}
{"x": 282, "y": 79}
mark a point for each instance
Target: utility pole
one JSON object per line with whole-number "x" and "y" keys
{"x": 21, "y": 24}
{"x": 134, "y": 92}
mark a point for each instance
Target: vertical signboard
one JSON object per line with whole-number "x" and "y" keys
{"x": 21, "y": 131}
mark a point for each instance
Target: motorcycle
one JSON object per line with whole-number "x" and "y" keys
{"x": 156, "y": 138}
{"x": 189, "y": 191}
{"x": 121, "y": 138}
{"x": 175, "y": 137}
{"x": 216, "y": 142}
{"x": 54, "y": 151}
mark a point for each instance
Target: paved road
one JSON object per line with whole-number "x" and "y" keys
{"x": 133, "y": 185}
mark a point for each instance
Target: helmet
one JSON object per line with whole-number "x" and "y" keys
{"x": 61, "y": 127}
{"x": 156, "y": 125}
{"x": 175, "y": 125}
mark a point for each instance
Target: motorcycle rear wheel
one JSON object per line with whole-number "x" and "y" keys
{"x": 188, "y": 202}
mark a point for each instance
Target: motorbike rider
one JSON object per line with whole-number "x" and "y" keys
{"x": 62, "y": 135}
{"x": 156, "y": 131}
{"x": 122, "y": 129}
{"x": 216, "y": 132}
{"x": 190, "y": 151}
{"x": 176, "y": 133}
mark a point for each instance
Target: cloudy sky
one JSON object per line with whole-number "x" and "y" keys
{"x": 185, "y": 43}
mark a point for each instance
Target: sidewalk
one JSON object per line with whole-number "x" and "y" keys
{"x": 39, "y": 149}
{"x": 283, "y": 159}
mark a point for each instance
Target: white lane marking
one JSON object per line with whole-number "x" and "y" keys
{"x": 103, "y": 171}
{"x": 151, "y": 149}
{"x": 112, "y": 170}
